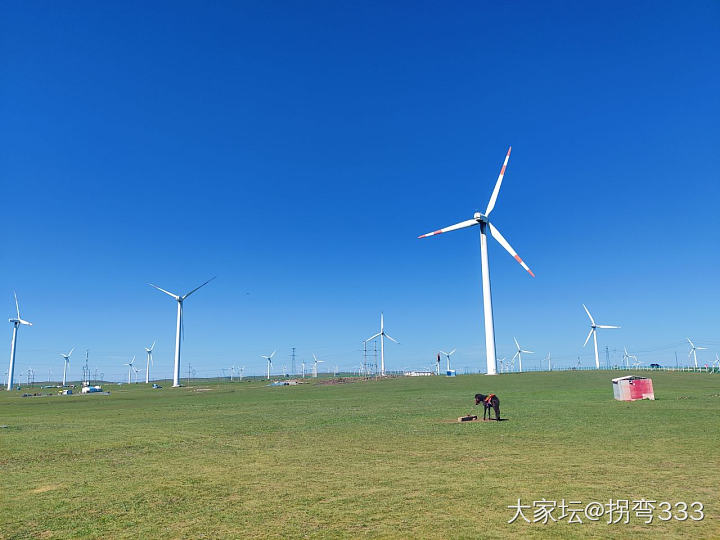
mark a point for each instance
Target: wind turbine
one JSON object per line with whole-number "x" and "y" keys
{"x": 149, "y": 361}
{"x": 130, "y": 368}
{"x": 16, "y": 323}
{"x": 269, "y": 362}
{"x": 519, "y": 353}
{"x": 593, "y": 333}
{"x": 303, "y": 369}
{"x": 67, "y": 361}
{"x": 548, "y": 361}
{"x": 136, "y": 370}
{"x": 484, "y": 221}
{"x": 447, "y": 355}
{"x": 180, "y": 327}
{"x": 382, "y": 335}
{"x": 627, "y": 356}
{"x": 315, "y": 366}
{"x": 692, "y": 352}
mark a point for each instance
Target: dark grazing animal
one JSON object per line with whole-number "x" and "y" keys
{"x": 489, "y": 401}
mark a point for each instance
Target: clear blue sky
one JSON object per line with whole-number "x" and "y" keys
{"x": 297, "y": 150}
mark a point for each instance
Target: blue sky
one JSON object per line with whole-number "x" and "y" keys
{"x": 297, "y": 150}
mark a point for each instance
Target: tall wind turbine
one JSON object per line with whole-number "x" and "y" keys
{"x": 130, "y": 368}
{"x": 382, "y": 335}
{"x": 16, "y": 323}
{"x": 269, "y": 362}
{"x": 180, "y": 327}
{"x": 593, "y": 333}
{"x": 149, "y": 361}
{"x": 519, "y": 353}
{"x": 67, "y": 361}
{"x": 692, "y": 352}
{"x": 447, "y": 355}
{"x": 484, "y": 221}
{"x": 315, "y": 365}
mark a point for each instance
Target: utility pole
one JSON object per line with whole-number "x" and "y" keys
{"x": 189, "y": 372}
{"x": 607, "y": 357}
{"x": 86, "y": 369}
{"x": 292, "y": 365}
{"x": 676, "y": 360}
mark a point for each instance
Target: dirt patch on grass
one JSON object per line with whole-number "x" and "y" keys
{"x": 202, "y": 389}
{"x": 43, "y": 489}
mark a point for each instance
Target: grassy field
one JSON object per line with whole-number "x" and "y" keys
{"x": 370, "y": 459}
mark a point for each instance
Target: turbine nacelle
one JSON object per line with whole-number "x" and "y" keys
{"x": 480, "y": 218}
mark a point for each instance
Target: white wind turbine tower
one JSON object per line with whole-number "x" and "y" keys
{"x": 180, "y": 327}
{"x": 303, "y": 369}
{"x": 593, "y": 333}
{"x": 16, "y": 323}
{"x": 548, "y": 361}
{"x": 382, "y": 335}
{"x": 692, "y": 352}
{"x": 130, "y": 368}
{"x": 136, "y": 371}
{"x": 447, "y": 355}
{"x": 269, "y": 362}
{"x": 519, "y": 353}
{"x": 315, "y": 366}
{"x": 67, "y": 361}
{"x": 149, "y": 361}
{"x": 484, "y": 221}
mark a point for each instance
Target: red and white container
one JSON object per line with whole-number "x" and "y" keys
{"x": 632, "y": 388}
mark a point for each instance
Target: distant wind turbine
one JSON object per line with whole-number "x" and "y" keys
{"x": 269, "y": 362}
{"x": 67, "y": 362}
{"x": 692, "y": 352}
{"x": 180, "y": 328}
{"x": 130, "y": 368}
{"x": 315, "y": 366}
{"x": 627, "y": 357}
{"x": 484, "y": 221}
{"x": 447, "y": 355}
{"x": 519, "y": 353}
{"x": 382, "y": 336}
{"x": 16, "y": 323}
{"x": 149, "y": 352}
{"x": 593, "y": 333}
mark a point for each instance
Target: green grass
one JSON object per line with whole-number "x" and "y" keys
{"x": 372, "y": 459}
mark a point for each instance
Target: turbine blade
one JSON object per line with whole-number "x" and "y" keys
{"x": 516, "y": 355}
{"x": 373, "y": 337}
{"x": 527, "y": 352}
{"x": 461, "y": 225}
{"x": 606, "y": 326}
{"x": 588, "y": 338}
{"x": 586, "y": 311}
{"x": 504, "y": 243}
{"x": 451, "y": 352}
{"x": 17, "y": 306}
{"x": 701, "y": 348}
{"x": 516, "y": 343}
{"x": 495, "y": 192}
{"x": 175, "y": 296}
{"x": 273, "y": 353}
{"x": 392, "y": 339}
{"x": 196, "y": 288}
{"x": 71, "y": 351}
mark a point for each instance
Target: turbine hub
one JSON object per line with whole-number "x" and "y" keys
{"x": 479, "y": 217}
